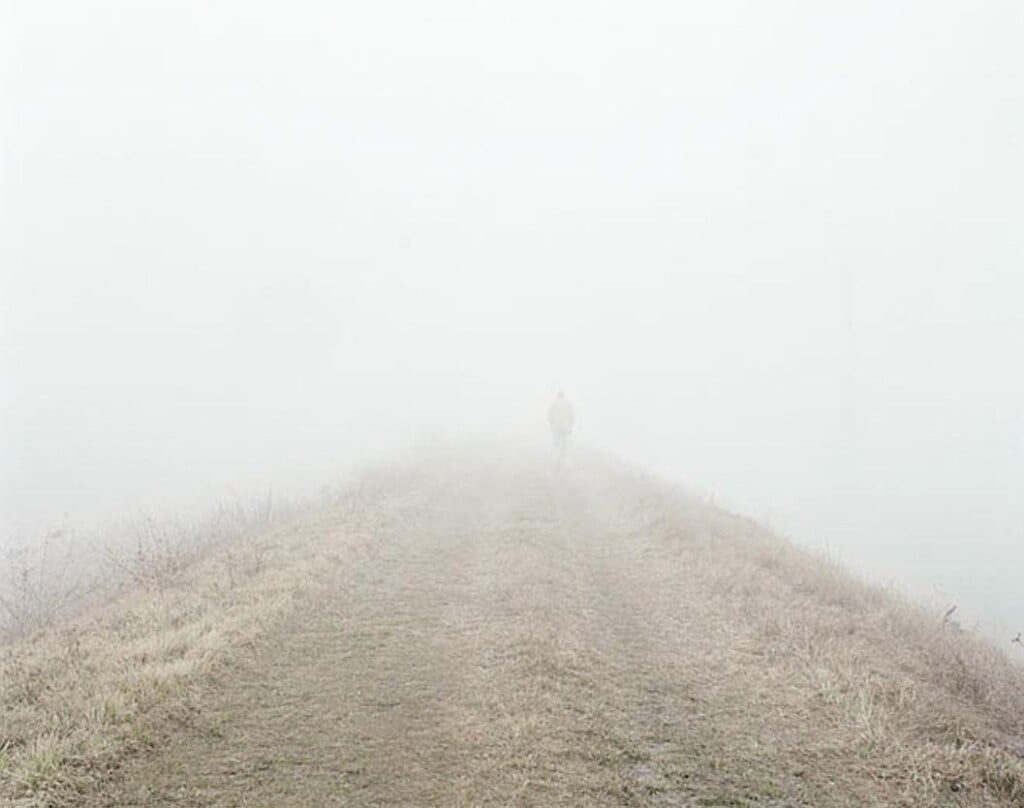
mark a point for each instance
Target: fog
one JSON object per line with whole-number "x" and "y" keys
{"x": 770, "y": 250}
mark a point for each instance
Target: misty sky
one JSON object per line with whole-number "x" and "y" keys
{"x": 772, "y": 250}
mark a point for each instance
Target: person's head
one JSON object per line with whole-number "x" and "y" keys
{"x": 560, "y": 394}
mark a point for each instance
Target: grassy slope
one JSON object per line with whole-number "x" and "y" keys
{"x": 76, "y": 698}
{"x": 920, "y": 711}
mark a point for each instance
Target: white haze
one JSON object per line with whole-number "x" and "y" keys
{"x": 771, "y": 250}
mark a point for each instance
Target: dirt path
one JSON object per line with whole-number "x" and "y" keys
{"x": 517, "y": 640}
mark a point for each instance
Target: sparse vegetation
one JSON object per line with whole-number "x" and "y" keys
{"x": 54, "y": 577}
{"x": 42, "y": 584}
{"x": 93, "y": 652}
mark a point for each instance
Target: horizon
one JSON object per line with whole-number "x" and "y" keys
{"x": 771, "y": 253}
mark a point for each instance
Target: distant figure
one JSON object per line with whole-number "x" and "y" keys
{"x": 561, "y": 419}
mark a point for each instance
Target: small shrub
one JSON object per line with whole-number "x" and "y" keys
{"x": 42, "y": 584}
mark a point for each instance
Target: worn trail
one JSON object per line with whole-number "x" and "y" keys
{"x": 517, "y": 638}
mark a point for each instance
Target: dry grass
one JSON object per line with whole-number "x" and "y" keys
{"x": 579, "y": 620}
{"x": 60, "y": 574}
{"x": 943, "y": 706}
{"x": 78, "y": 694}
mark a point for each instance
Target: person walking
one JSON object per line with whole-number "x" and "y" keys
{"x": 561, "y": 419}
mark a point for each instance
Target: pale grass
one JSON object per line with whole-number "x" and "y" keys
{"x": 78, "y": 696}
{"x": 907, "y": 697}
{"x": 943, "y": 704}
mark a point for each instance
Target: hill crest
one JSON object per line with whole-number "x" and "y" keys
{"x": 592, "y": 636}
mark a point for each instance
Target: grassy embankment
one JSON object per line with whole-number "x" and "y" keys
{"x": 943, "y": 707}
